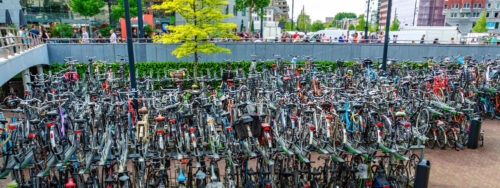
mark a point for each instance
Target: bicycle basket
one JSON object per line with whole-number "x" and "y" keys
{"x": 240, "y": 126}
{"x": 227, "y": 75}
{"x": 178, "y": 74}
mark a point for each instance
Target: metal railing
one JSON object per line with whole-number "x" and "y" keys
{"x": 463, "y": 41}
{"x": 12, "y": 44}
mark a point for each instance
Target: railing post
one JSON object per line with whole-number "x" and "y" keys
{"x": 26, "y": 78}
{"x": 4, "y": 48}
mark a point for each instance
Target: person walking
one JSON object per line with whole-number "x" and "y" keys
{"x": 45, "y": 36}
{"x": 422, "y": 40}
{"x": 494, "y": 40}
{"x": 85, "y": 36}
{"x": 112, "y": 38}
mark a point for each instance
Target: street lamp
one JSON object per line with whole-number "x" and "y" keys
{"x": 386, "y": 41}
{"x": 367, "y": 14}
{"x": 293, "y": 6}
{"x": 130, "y": 48}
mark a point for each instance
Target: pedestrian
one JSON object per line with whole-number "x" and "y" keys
{"x": 85, "y": 36}
{"x": 394, "y": 39}
{"x": 422, "y": 40}
{"x": 34, "y": 31}
{"x": 355, "y": 37}
{"x": 20, "y": 31}
{"x": 436, "y": 41}
{"x": 10, "y": 40}
{"x": 295, "y": 35}
{"x": 452, "y": 40}
{"x": 45, "y": 36}
{"x": 494, "y": 40}
{"x": 75, "y": 35}
{"x": 341, "y": 38}
{"x": 112, "y": 38}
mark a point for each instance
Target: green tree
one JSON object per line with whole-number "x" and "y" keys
{"x": 304, "y": 22}
{"x": 351, "y": 27}
{"x": 374, "y": 28}
{"x": 62, "y": 30}
{"x": 105, "y": 31}
{"x": 118, "y": 11}
{"x": 480, "y": 26}
{"x": 148, "y": 30}
{"x": 288, "y": 26}
{"x": 317, "y": 25}
{"x": 338, "y": 26}
{"x": 203, "y": 21}
{"x": 395, "y": 25}
{"x": 87, "y": 8}
{"x": 252, "y": 5}
{"x": 342, "y": 15}
{"x": 361, "y": 23}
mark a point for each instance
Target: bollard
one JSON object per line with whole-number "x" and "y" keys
{"x": 422, "y": 174}
{"x": 474, "y": 133}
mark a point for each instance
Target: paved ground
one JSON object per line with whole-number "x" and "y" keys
{"x": 450, "y": 168}
{"x": 468, "y": 168}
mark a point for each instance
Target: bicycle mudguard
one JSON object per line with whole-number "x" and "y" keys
{"x": 351, "y": 149}
{"x": 67, "y": 155}
{"x": 27, "y": 159}
{"x": 50, "y": 163}
{"x": 88, "y": 161}
{"x": 400, "y": 157}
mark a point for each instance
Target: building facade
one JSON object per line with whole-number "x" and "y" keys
{"x": 493, "y": 16}
{"x": 430, "y": 13}
{"x": 283, "y": 6}
{"x": 373, "y": 17}
{"x": 239, "y": 18}
{"x": 414, "y": 12}
{"x": 464, "y": 13}
{"x": 382, "y": 18}
{"x": 13, "y": 8}
{"x": 405, "y": 11}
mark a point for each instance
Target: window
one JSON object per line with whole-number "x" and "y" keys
{"x": 227, "y": 9}
{"x": 244, "y": 12}
{"x": 489, "y": 5}
{"x": 498, "y": 5}
{"x": 475, "y": 5}
{"x": 479, "y": 5}
{"x": 235, "y": 11}
{"x": 496, "y": 25}
{"x": 445, "y": 6}
{"x": 496, "y": 14}
{"x": 466, "y": 5}
{"x": 487, "y": 14}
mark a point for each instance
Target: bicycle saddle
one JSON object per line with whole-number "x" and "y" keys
{"x": 160, "y": 118}
{"x": 52, "y": 113}
{"x": 33, "y": 121}
{"x": 251, "y": 172}
{"x": 181, "y": 177}
{"x": 143, "y": 110}
{"x": 200, "y": 175}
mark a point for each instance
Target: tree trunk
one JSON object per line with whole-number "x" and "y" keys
{"x": 250, "y": 11}
{"x": 195, "y": 67}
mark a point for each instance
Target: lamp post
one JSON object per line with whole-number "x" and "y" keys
{"x": 386, "y": 41}
{"x": 130, "y": 47}
{"x": 367, "y": 14}
{"x": 293, "y": 6}
{"x": 139, "y": 19}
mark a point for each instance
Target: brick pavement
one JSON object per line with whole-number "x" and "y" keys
{"x": 468, "y": 168}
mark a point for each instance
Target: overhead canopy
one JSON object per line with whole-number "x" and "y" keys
{"x": 22, "y": 19}
{"x": 8, "y": 19}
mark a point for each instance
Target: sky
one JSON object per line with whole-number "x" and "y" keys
{"x": 319, "y": 9}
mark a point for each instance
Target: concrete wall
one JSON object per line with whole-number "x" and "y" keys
{"x": 14, "y": 65}
{"x": 266, "y": 51}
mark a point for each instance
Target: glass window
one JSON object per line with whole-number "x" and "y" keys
{"x": 235, "y": 11}
{"x": 445, "y": 6}
{"x": 244, "y": 12}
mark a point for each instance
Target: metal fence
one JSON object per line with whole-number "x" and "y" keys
{"x": 472, "y": 41}
{"x": 11, "y": 43}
